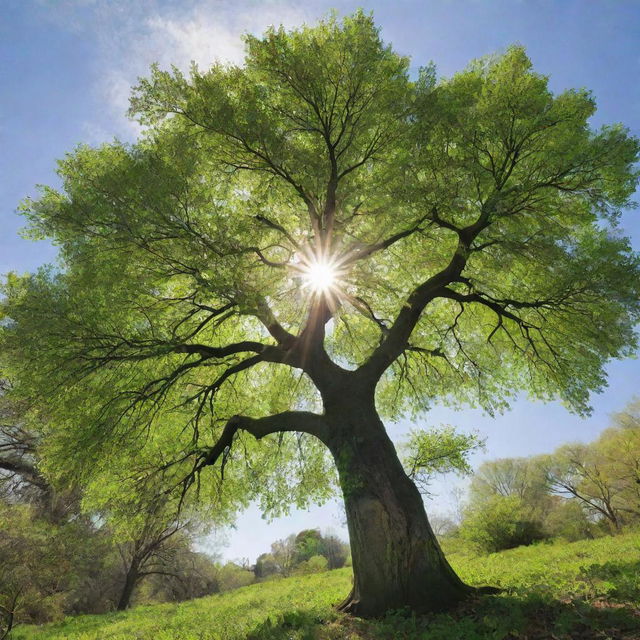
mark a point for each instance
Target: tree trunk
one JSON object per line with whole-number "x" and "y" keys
{"x": 131, "y": 579}
{"x": 397, "y": 561}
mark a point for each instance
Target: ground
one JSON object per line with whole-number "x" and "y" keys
{"x": 585, "y": 590}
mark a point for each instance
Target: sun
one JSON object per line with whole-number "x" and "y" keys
{"x": 320, "y": 276}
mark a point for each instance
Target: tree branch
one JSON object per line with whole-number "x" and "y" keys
{"x": 396, "y": 340}
{"x": 301, "y": 421}
{"x": 353, "y": 254}
{"x": 26, "y": 471}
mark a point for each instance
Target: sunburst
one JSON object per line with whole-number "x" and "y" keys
{"x": 322, "y": 274}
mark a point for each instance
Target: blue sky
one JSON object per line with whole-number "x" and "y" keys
{"x": 65, "y": 71}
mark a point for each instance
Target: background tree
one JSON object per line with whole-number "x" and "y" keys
{"x": 604, "y": 475}
{"x": 619, "y": 446}
{"x": 335, "y": 551}
{"x": 148, "y": 553}
{"x": 149, "y": 528}
{"x": 187, "y": 574}
{"x": 309, "y": 542}
{"x": 20, "y": 477}
{"x": 284, "y": 553}
{"x": 233, "y": 576}
{"x": 42, "y": 562}
{"x": 437, "y": 451}
{"x": 266, "y": 566}
{"x": 518, "y": 477}
{"x": 509, "y": 502}
{"x": 580, "y": 471}
{"x": 310, "y": 243}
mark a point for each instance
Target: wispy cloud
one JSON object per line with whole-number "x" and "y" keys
{"x": 131, "y": 36}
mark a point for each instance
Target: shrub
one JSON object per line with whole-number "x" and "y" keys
{"x": 315, "y": 564}
{"x": 499, "y": 523}
{"x": 568, "y": 520}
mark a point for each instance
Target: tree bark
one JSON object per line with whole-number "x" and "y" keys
{"x": 131, "y": 579}
{"x": 397, "y": 561}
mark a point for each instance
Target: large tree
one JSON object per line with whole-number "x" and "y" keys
{"x": 303, "y": 245}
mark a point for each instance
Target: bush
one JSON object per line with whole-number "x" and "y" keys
{"x": 568, "y": 520}
{"x": 499, "y": 523}
{"x": 315, "y": 564}
{"x": 232, "y": 576}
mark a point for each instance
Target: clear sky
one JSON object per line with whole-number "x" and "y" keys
{"x": 66, "y": 67}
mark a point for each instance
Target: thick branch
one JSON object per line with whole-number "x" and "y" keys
{"x": 278, "y": 227}
{"x": 26, "y": 471}
{"x": 266, "y": 316}
{"x": 396, "y": 340}
{"x": 221, "y": 352}
{"x": 398, "y": 335}
{"x": 301, "y": 421}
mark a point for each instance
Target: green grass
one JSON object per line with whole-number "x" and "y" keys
{"x": 584, "y": 590}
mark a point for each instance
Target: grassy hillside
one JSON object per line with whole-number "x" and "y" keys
{"x": 588, "y": 589}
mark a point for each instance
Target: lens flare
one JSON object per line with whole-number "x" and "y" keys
{"x": 320, "y": 276}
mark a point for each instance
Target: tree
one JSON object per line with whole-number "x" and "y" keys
{"x": 309, "y": 543}
{"x": 619, "y": 446}
{"x": 266, "y": 565}
{"x": 21, "y": 479}
{"x": 148, "y": 553}
{"x": 302, "y": 246}
{"x": 18, "y": 465}
{"x": 148, "y": 528}
{"x": 315, "y": 564}
{"x": 233, "y": 576}
{"x": 569, "y": 520}
{"x": 40, "y": 561}
{"x": 509, "y": 504}
{"x": 284, "y": 554}
{"x": 189, "y": 574}
{"x": 442, "y": 450}
{"x": 335, "y": 551}
{"x": 143, "y": 529}
{"x": 604, "y": 475}
{"x": 579, "y": 471}
{"x": 522, "y": 478}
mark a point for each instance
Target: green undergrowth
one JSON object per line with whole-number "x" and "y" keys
{"x": 583, "y": 590}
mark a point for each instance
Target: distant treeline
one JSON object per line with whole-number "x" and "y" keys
{"x": 578, "y": 491}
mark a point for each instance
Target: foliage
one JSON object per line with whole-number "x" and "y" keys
{"x": 519, "y": 477}
{"x": 111, "y": 530}
{"x": 500, "y": 522}
{"x": 266, "y": 566}
{"x": 233, "y": 576}
{"x": 335, "y": 551}
{"x": 189, "y": 575}
{"x": 284, "y": 554}
{"x": 581, "y": 591}
{"x": 295, "y": 553}
{"x": 443, "y": 450}
{"x": 568, "y": 519}
{"x": 41, "y": 564}
{"x": 315, "y": 564}
{"x": 308, "y": 543}
{"x": 578, "y": 491}
{"x": 603, "y": 476}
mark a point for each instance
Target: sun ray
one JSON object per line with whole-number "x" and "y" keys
{"x": 320, "y": 276}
